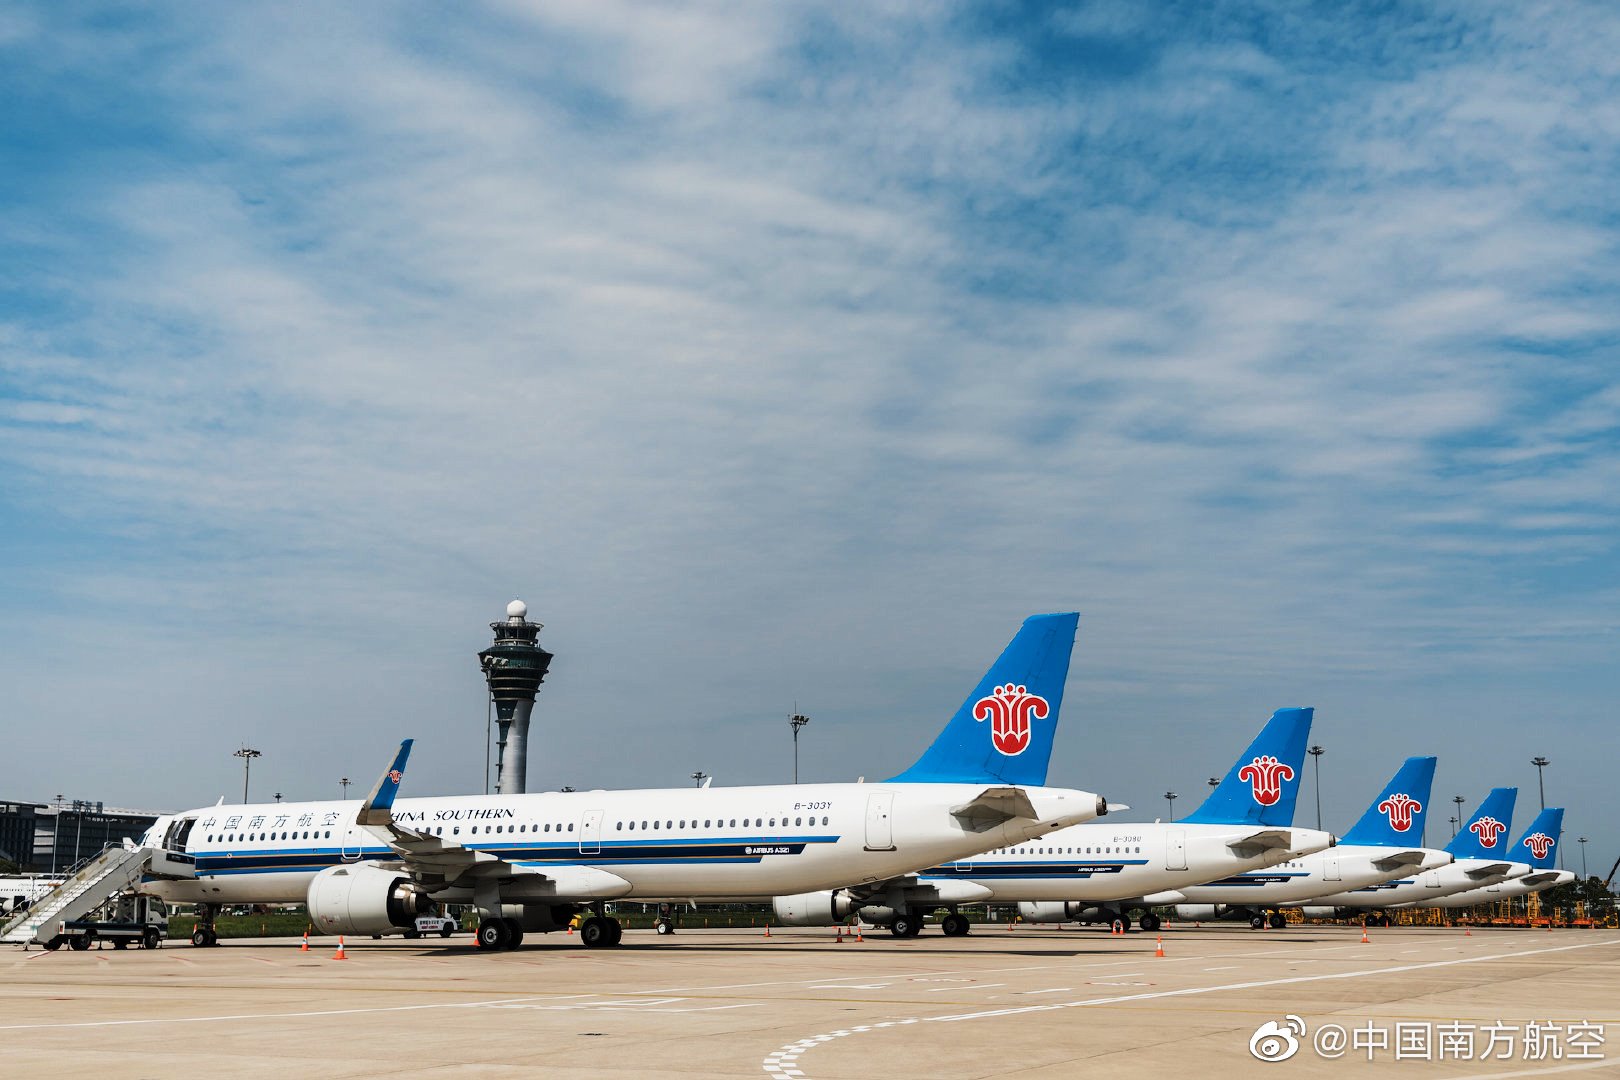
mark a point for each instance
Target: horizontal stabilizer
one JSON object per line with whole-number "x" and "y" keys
{"x": 1396, "y": 860}
{"x": 1246, "y": 847}
{"x": 994, "y": 806}
{"x": 1495, "y": 869}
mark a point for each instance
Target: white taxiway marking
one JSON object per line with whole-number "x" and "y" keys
{"x": 1054, "y": 990}
{"x": 1228, "y": 967}
{"x": 783, "y": 1063}
{"x": 974, "y": 986}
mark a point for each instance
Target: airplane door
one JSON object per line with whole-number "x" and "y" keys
{"x": 1175, "y": 849}
{"x": 880, "y": 822}
{"x": 351, "y": 843}
{"x": 1330, "y": 868}
{"x": 1431, "y": 879}
{"x": 590, "y": 833}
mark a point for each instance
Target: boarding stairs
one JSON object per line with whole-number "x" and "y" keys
{"x": 113, "y": 871}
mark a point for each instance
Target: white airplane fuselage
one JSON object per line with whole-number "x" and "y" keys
{"x": 1348, "y": 866}
{"x": 1105, "y": 861}
{"x": 1534, "y": 881}
{"x": 1420, "y": 888}
{"x": 682, "y": 842}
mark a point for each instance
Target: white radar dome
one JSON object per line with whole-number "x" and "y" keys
{"x": 517, "y": 609}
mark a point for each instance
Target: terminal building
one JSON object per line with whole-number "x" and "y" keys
{"x": 44, "y": 838}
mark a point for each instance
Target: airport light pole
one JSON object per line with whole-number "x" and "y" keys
{"x": 1541, "y": 763}
{"x": 278, "y": 796}
{"x": 1316, "y": 752}
{"x": 1454, "y": 825}
{"x": 343, "y": 782}
{"x": 1214, "y": 782}
{"x": 247, "y": 757}
{"x": 699, "y": 777}
{"x": 797, "y": 721}
{"x": 1458, "y": 823}
{"x": 1582, "y": 840}
{"x": 1171, "y": 797}
{"x": 56, "y": 837}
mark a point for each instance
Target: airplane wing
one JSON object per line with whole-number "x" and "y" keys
{"x": 1396, "y": 860}
{"x": 439, "y": 863}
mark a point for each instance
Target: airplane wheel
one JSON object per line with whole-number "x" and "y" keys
{"x": 904, "y": 926}
{"x": 199, "y": 938}
{"x": 514, "y": 933}
{"x": 1257, "y": 922}
{"x": 1124, "y": 921}
{"x": 596, "y": 932}
{"x": 1277, "y": 921}
{"x": 664, "y": 926}
{"x": 955, "y": 925}
{"x": 615, "y": 931}
{"x": 1149, "y": 922}
{"x": 492, "y": 934}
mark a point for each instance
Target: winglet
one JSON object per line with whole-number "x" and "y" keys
{"x": 379, "y": 805}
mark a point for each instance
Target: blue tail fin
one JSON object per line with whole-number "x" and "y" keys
{"x": 1395, "y": 819}
{"x": 1003, "y": 731}
{"x": 1261, "y": 787}
{"x": 1485, "y": 834}
{"x": 1540, "y": 840}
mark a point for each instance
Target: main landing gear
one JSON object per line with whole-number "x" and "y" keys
{"x": 1259, "y": 920}
{"x": 500, "y": 933}
{"x": 906, "y": 925}
{"x": 601, "y": 932}
{"x": 955, "y": 925}
{"x": 205, "y": 934}
{"x": 1149, "y": 923}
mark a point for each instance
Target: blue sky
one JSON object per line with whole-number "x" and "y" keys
{"x": 787, "y": 356}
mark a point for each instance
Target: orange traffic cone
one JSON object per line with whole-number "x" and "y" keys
{"x": 1468, "y": 933}
{"x": 305, "y": 946}
{"x": 767, "y": 929}
{"x": 839, "y": 940}
{"x": 1365, "y": 940}
{"x": 1160, "y": 950}
{"x": 340, "y": 955}
{"x": 570, "y": 928}
{"x": 477, "y": 944}
{"x": 858, "y": 937}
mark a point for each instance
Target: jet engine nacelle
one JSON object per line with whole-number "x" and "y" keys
{"x": 1053, "y": 911}
{"x": 1202, "y": 912}
{"x": 814, "y": 908}
{"x": 363, "y": 898}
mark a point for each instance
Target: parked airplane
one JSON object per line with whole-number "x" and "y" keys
{"x": 1537, "y": 847}
{"x": 1380, "y": 846}
{"x": 531, "y": 862}
{"x": 1480, "y": 855}
{"x": 1101, "y": 872}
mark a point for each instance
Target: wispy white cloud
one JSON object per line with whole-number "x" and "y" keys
{"x": 781, "y": 352}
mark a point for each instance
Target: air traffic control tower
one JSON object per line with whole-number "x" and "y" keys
{"x": 514, "y": 666}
